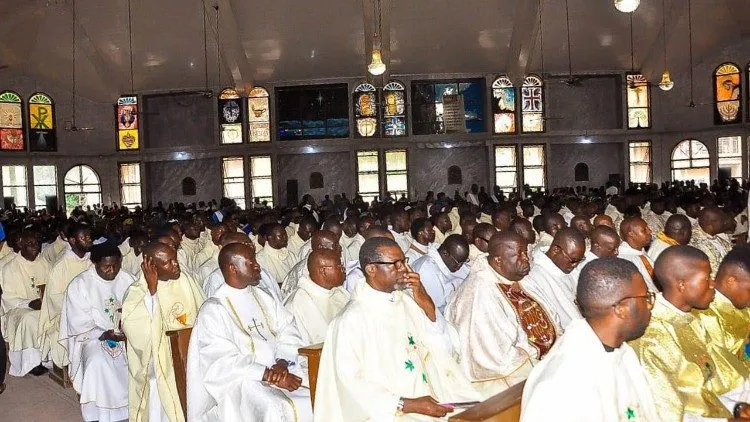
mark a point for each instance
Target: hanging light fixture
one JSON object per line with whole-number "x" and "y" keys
{"x": 666, "y": 79}
{"x": 627, "y": 6}
{"x": 376, "y": 66}
{"x": 690, "y": 52}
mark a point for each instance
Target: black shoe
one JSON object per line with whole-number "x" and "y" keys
{"x": 38, "y": 371}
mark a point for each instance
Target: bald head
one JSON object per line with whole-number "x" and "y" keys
{"x": 501, "y": 241}
{"x": 377, "y": 231}
{"x": 324, "y": 239}
{"x": 325, "y": 268}
{"x": 238, "y": 265}
{"x": 334, "y": 226}
{"x": 676, "y": 263}
{"x": 523, "y": 227}
{"x": 508, "y": 255}
{"x": 678, "y": 227}
{"x": 553, "y": 222}
{"x": 234, "y": 237}
{"x": 603, "y": 220}
{"x": 166, "y": 239}
{"x": 569, "y": 236}
{"x": 482, "y": 234}
{"x": 567, "y": 249}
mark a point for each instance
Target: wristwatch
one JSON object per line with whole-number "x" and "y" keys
{"x": 738, "y": 408}
{"x": 400, "y": 407}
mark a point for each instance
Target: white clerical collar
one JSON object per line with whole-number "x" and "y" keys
{"x": 419, "y": 247}
{"x": 313, "y": 288}
{"x": 626, "y": 249}
{"x": 368, "y": 292}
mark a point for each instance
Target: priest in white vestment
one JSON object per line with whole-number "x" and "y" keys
{"x": 677, "y": 231}
{"x": 320, "y": 240}
{"x": 592, "y": 374}
{"x": 549, "y": 279}
{"x": 73, "y": 262}
{"x": 162, "y": 299}
{"x": 22, "y": 278}
{"x": 423, "y": 235}
{"x": 131, "y": 262}
{"x": 635, "y": 236}
{"x": 503, "y": 330}
{"x": 301, "y": 235}
{"x": 212, "y": 263}
{"x": 319, "y": 296}
{"x": 243, "y": 360}
{"x": 52, "y": 252}
{"x": 389, "y": 355}
{"x": 552, "y": 223}
{"x": 442, "y": 270}
{"x": 604, "y": 242}
{"x": 480, "y": 241}
{"x": 191, "y": 238}
{"x": 275, "y": 257}
{"x": 89, "y": 329}
{"x": 443, "y": 226}
{"x": 211, "y": 244}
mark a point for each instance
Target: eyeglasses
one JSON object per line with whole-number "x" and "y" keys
{"x": 454, "y": 259}
{"x": 337, "y": 267}
{"x": 394, "y": 263}
{"x": 571, "y": 260}
{"x": 650, "y": 299}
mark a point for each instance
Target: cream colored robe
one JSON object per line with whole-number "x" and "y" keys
{"x": 54, "y": 251}
{"x": 21, "y": 279}
{"x": 579, "y": 381}
{"x": 382, "y": 347}
{"x": 495, "y": 350}
{"x": 175, "y": 306}
{"x": 553, "y": 289}
{"x": 207, "y": 252}
{"x": 277, "y": 262}
{"x": 354, "y": 247}
{"x": 65, "y": 269}
{"x": 628, "y": 253}
{"x": 295, "y": 244}
{"x": 191, "y": 246}
{"x": 313, "y": 308}
{"x": 131, "y": 264}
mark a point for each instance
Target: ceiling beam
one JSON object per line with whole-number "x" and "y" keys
{"x": 230, "y": 48}
{"x": 523, "y": 39}
{"x": 653, "y": 63}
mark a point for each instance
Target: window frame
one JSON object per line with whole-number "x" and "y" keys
{"x": 638, "y": 80}
{"x": 24, "y": 186}
{"x": 718, "y": 120}
{"x": 499, "y": 169}
{"x": 398, "y": 172}
{"x": 252, "y": 177}
{"x": 122, "y": 101}
{"x": 222, "y": 99}
{"x": 225, "y": 180}
{"x": 690, "y": 159}
{"x": 81, "y": 184}
{"x": 123, "y": 185}
{"x": 396, "y": 86}
{"x": 543, "y": 166}
{"x": 34, "y": 187}
{"x": 504, "y": 82}
{"x": 631, "y": 162}
{"x": 258, "y": 92}
{"x": 542, "y": 114}
{"x": 719, "y": 156}
{"x": 366, "y": 88}
{"x": 377, "y": 172}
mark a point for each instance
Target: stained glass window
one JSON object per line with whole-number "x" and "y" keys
{"x": 640, "y": 161}
{"x": 368, "y": 175}
{"x": 448, "y": 106}
{"x": 396, "y": 180}
{"x": 261, "y": 180}
{"x": 230, "y": 116}
{"x": 127, "y": 123}
{"x": 233, "y": 179}
{"x": 42, "y": 136}
{"x": 45, "y": 185}
{"x": 728, "y": 94}
{"x": 366, "y": 110}
{"x": 532, "y": 104}
{"x": 11, "y": 122}
{"x": 259, "y": 121}
{"x": 534, "y": 166}
{"x": 15, "y": 184}
{"x": 82, "y": 188}
{"x": 730, "y": 155}
{"x": 691, "y": 161}
{"x": 313, "y": 112}
{"x": 130, "y": 185}
{"x": 394, "y": 109}
{"x": 503, "y": 106}
{"x": 639, "y": 101}
{"x": 506, "y": 172}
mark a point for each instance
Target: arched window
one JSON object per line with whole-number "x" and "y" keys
{"x": 691, "y": 161}
{"x": 394, "y": 109}
{"x": 727, "y": 94}
{"x": 581, "y": 172}
{"x": 188, "y": 186}
{"x": 454, "y": 175}
{"x": 127, "y": 123}
{"x": 259, "y": 122}
{"x": 42, "y": 134}
{"x": 503, "y": 105}
{"x": 316, "y": 180}
{"x": 532, "y": 104}
{"x": 11, "y": 122}
{"x": 230, "y": 116}
{"x": 366, "y": 110}
{"x": 639, "y": 101}
{"x": 82, "y": 188}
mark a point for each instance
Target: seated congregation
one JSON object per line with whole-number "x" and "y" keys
{"x": 556, "y": 306}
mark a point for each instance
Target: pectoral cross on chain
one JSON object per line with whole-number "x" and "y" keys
{"x": 257, "y": 328}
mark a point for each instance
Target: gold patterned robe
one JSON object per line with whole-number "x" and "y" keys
{"x": 714, "y": 246}
{"x": 687, "y": 372}
{"x": 727, "y": 325}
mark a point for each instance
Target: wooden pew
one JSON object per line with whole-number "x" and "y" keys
{"x": 313, "y": 363}
{"x": 60, "y": 376}
{"x": 502, "y": 407}
{"x": 179, "y": 340}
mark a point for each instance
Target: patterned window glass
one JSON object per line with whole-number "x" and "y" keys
{"x": 11, "y": 122}
{"x": 366, "y": 110}
{"x": 728, "y": 94}
{"x": 230, "y": 116}
{"x": 639, "y": 102}
{"x": 127, "y": 123}
{"x": 42, "y": 135}
{"x": 532, "y": 104}
{"x": 258, "y": 121}
{"x": 503, "y": 106}
{"x": 394, "y": 109}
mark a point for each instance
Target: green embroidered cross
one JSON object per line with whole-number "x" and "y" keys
{"x": 424, "y": 377}
{"x": 409, "y": 365}
{"x": 630, "y": 413}
{"x": 411, "y": 341}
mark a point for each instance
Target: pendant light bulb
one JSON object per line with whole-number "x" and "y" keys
{"x": 627, "y": 6}
{"x": 376, "y": 66}
{"x": 666, "y": 81}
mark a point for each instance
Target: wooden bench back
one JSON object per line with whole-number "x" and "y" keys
{"x": 313, "y": 363}
{"x": 180, "y": 340}
{"x": 502, "y": 407}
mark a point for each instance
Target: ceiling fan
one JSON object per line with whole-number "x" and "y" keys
{"x": 571, "y": 80}
{"x": 70, "y": 125}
